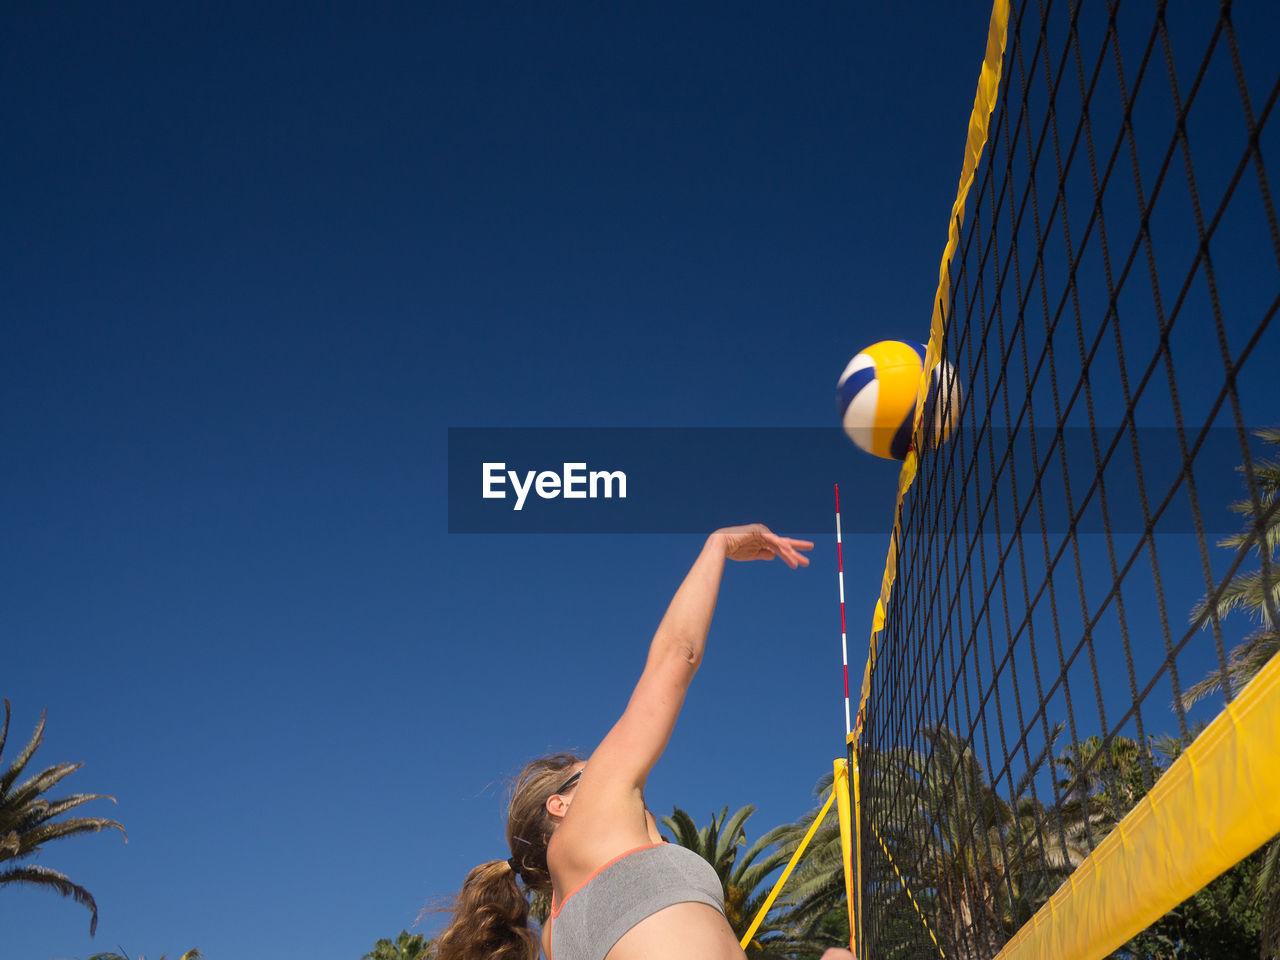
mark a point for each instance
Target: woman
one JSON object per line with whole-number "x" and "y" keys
{"x": 581, "y": 831}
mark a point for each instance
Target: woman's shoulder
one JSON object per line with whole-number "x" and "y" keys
{"x": 591, "y": 836}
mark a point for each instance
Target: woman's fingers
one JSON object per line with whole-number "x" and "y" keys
{"x": 790, "y": 556}
{"x": 798, "y": 545}
{"x": 788, "y": 549}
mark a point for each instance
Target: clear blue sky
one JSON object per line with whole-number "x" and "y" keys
{"x": 258, "y": 258}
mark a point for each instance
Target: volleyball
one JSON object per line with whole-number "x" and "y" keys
{"x": 876, "y": 398}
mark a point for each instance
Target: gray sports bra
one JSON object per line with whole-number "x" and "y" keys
{"x": 625, "y": 891}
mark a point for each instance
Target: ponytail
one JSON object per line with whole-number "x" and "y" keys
{"x": 491, "y": 912}
{"x": 490, "y": 919}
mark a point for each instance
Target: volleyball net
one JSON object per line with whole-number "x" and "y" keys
{"x": 1069, "y": 715}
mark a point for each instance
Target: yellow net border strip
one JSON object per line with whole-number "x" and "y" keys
{"x": 1214, "y": 806}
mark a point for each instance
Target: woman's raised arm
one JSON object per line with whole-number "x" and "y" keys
{"x": 638, "y": 739}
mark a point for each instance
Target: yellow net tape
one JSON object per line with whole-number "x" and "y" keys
{"x": 984, "y": 102}
{"x": 910, "y": 895}
{"x": 1214, "y": 806}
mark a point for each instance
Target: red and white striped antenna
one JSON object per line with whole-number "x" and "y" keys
{"x": 844, "y": 642}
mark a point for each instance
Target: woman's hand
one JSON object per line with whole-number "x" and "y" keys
{"x": 755, "y": 541}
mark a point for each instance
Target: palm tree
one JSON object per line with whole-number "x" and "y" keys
{"x": 1104, "y": 780}
{"x": 192, "y": 954}
{"x": 953, "y": 811}
{"x": 1250, "y": 591}
{"x": 1258, "y": 595}
{"x": 743, "y": 872}
{"x": 27, "y": 820}
{"x": 407, "y": 946}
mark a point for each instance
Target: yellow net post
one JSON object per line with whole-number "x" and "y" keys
{"x": 841, "y": 787}
{"x": 860, "y": 939}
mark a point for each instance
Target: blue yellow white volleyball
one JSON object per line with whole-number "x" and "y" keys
{"x": 876, "y": 398}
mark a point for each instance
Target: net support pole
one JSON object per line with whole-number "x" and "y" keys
{"x": 851, "y": 845}
{"x": 840, "y": 786}
{"x": 844, "y": 636}
{"x": 857, "y": 848}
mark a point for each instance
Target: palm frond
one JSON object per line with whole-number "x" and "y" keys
{"x": 32, "y": 839}
{"x": 25, "y": 812}
{"x": 732, "y": 833}
{"x": 1243, "y": 664}
{"x": 1267, "y": 895}
{"x": 10, "y": 776}
{"x": 44, "y": 877}
{"x": 684, "y": 830}
{"x": 4, "y": 730}
{"x": 42, "y": 782}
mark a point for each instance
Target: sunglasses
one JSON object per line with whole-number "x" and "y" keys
{"x": 570, "y": 782}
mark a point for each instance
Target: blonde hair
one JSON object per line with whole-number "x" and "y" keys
{"x": 491, "y": 912}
